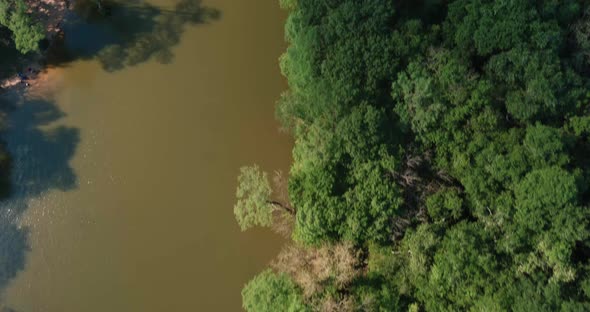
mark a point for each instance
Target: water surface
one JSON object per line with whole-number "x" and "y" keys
{"x": 125, "y": 177}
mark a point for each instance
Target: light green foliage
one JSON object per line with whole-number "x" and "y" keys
{"x": 253, "y": 207}
{"x": 422, "y": 106}
{"x": 26, "y": 32}
{"x": 270, "y": 292}
{"x": 580, "y": 125}
{"x": 288, "y": 4}
{"x": 548, "y": 219}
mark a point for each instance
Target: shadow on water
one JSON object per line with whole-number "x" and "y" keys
{"x": 121, "y": 35}
{"x": 10, "y": 58}
{"x": 40, "y": 153}
{"x": 13, "y": 248}
{"x": 127, "y": 34}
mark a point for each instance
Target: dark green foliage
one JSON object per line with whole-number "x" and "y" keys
{"x": 253, "y": 207}
{"x": 449, "y": 142}
{"x": 341, "y": 54}
{"x": 461, "y": 271}
{"x": 445, "y": 204}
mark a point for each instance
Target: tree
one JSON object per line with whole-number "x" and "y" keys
{"x": 255, "y": 206}
{"x": 549, "y": 222}
{"x": 269, "y": 292}
{"x": 446, "y": 204}
{"x": 329, "y": 66}
{"x": 448, "y": 142}
{"x": 344, "y": 179}
{"x": 99, "y": 5}
{"x": 545, "y": 146}
{"x": 26, "y": 32}
{"x": 463, "y": 270}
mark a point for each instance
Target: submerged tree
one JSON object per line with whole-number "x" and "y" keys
{"x": 255, "y": 206}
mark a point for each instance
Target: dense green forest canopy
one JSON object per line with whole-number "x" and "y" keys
{"x": 441, "y": 158}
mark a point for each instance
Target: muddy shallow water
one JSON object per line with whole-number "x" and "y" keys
{"x": 125, "y": 170}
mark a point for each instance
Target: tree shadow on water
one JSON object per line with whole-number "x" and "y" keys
{"x": 13, "y": 249}
{"x": 127, "y": 34}
{"x": 40, "y": 152}
{"x": 40, "y": 147}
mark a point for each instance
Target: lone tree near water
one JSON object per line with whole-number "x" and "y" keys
{"x": 255, "y": 206}
{"x": 26, "y": 32}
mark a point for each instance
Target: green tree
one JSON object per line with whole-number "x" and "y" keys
{"x": 463, "y": 271}
{"x": 448, "y": 142}
{"x": 344, "y": 179}
{"x": 445, "y": 204}
{"x": 269, "y": 292}
{"x": 26, "y": 32}
{"x": 549, "y": 220}
{"x": 254, "y": 206}
{"x": 545, "y": 146}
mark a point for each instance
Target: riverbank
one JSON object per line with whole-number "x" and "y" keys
{"x": 50, "y": 13}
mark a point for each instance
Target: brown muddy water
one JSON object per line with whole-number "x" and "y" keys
{"x": 124, "y": 178}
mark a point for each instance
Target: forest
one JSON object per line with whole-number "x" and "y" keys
{"x": 440, "y": 159}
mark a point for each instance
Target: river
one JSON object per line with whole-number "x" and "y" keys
{"x": 125, "y": 176}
